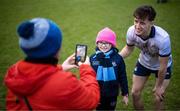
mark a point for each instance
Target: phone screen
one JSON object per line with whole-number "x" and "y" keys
{"x": 81, "y": 51}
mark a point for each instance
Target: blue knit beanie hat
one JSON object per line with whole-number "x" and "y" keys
{"x": 39, "y": 38}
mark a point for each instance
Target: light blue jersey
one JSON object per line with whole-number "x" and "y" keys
{"x": 158, "y": 44}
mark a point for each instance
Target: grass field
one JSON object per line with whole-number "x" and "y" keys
{"x": 80, "y": 20}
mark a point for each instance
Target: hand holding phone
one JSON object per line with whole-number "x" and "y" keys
{"x": 80, "y": 53}
{"x": 69, "y": 63}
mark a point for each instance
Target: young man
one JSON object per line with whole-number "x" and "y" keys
{"x": 155, "y": 56}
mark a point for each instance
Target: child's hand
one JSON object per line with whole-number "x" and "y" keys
{"x": 125, "y": 100}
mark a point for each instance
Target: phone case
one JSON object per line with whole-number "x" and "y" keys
{"x": 80, "y": 53}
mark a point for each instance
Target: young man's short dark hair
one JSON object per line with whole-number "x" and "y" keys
{"x": 144, "y": 12}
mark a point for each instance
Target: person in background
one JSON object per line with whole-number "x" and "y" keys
{"x": 38, "y": 82}
{"x": 162, "y": 1}
{"x": 110, "y": 70}
{"x": 155, "y": 57}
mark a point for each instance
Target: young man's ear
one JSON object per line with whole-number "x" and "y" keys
{"x": 152, "y": 23}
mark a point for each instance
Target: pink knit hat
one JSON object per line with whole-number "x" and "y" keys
{"x": 106, "y": 35}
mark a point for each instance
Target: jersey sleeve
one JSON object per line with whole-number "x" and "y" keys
{"x": 165, "y": 48}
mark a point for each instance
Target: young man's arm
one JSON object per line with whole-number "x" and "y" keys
{"x": 126, "y": 51}
{"x": 164, "y": 53}
{"x": 161, "y": 75}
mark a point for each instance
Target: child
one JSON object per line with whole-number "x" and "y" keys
{"x": 110, "y": 69}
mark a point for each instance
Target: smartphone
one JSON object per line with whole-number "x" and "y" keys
{"x": 80, "y": 53}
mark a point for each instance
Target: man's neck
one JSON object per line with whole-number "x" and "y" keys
{"x": 147, "y": 35}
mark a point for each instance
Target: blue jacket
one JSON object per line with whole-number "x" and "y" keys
{"x": 110, "y": 72}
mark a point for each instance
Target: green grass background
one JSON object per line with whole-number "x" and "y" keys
{"x": 80, "y": 20}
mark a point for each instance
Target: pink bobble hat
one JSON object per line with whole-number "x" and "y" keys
{"x": 106, "y": 35}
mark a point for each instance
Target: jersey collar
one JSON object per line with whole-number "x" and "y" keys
{"x": 151, "y": 35}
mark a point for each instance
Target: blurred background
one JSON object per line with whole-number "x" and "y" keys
{"x": 80, "y": 21}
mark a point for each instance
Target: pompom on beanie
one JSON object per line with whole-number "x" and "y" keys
{"x": 39, "y": 38}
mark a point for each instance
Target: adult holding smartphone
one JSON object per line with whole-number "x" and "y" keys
{"x": 38, "y": 82}
{"x": 155, "y": 56}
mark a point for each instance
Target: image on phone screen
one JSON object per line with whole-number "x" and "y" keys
{"x": 81, "y": 51}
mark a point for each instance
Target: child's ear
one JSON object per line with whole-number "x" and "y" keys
{"x": 96, "y": 44}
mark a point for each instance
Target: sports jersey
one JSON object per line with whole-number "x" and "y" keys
{"x": 157, "y": 44}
